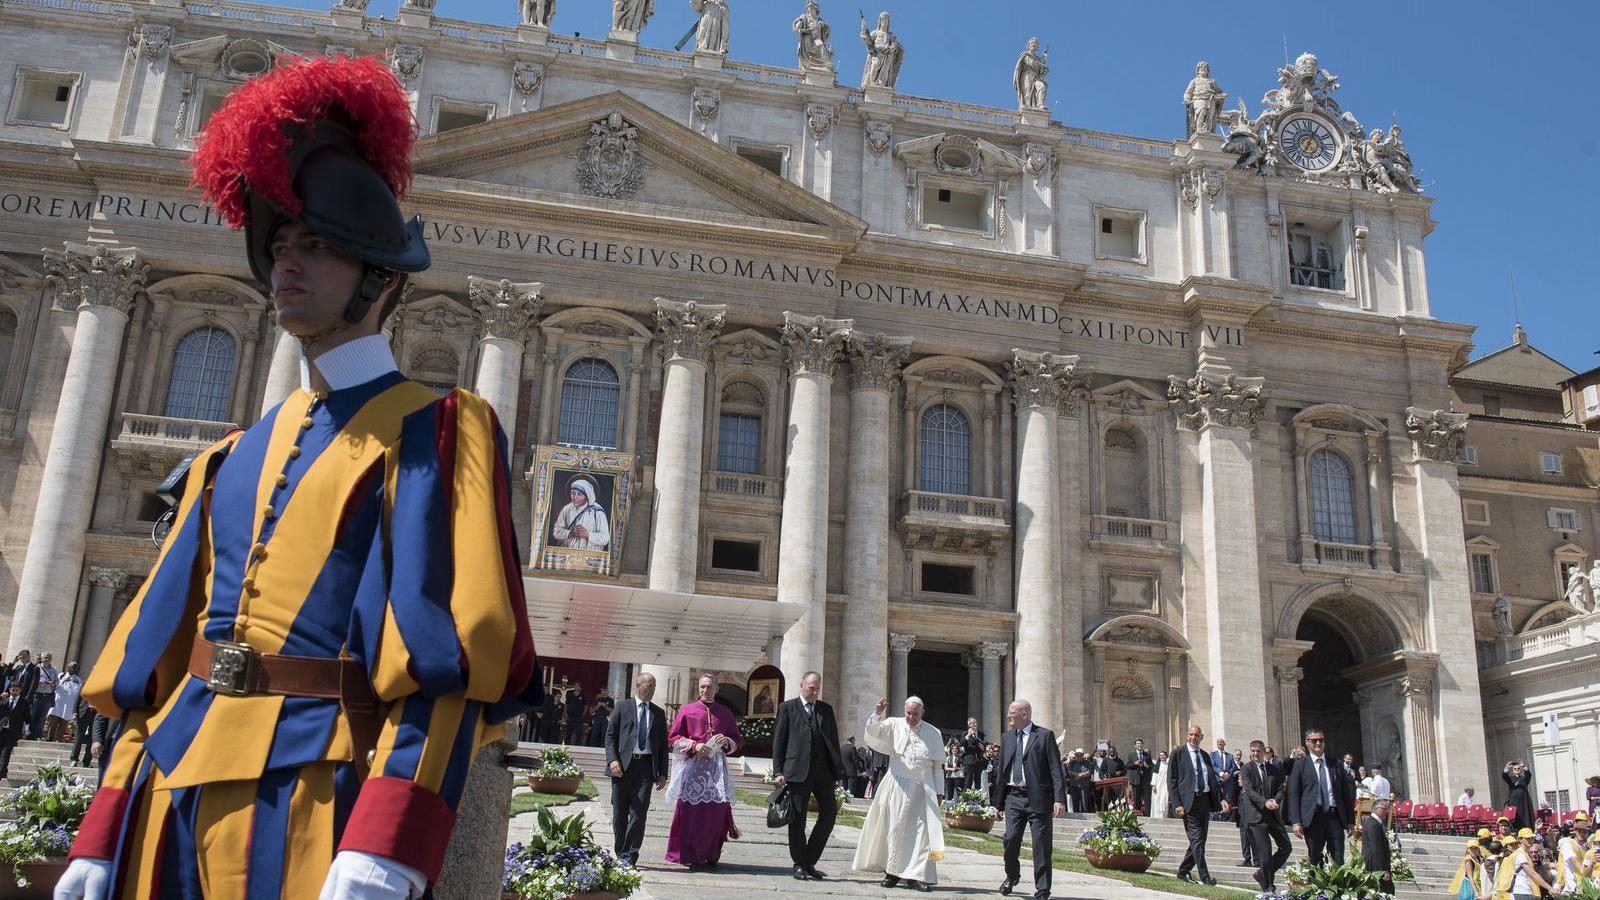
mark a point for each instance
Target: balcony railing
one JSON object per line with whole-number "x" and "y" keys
{"x": 744, "y": 485}
{"x": 954, "y": 505}
{"x": 1332, "y": 554}
{"x": 1131, "y": 527}
{"x": 162, "y": 433}
{"x": 953, "y": 522}
{"x": 1565, "y": 635}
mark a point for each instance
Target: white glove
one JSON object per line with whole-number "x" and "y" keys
{"x": 355, "y": 875}
{"x": 85, "y": 879}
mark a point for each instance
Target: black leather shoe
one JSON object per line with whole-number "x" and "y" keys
{"x": 1185, "y": 876}
{"x": 1006, "y": 886}
{"x": 1208, "y": 880}
{"x": 918, "y": 886}
{"x": 816, "y": 873}
{"x": 890, "y": 881}
{"x": 800, "y": 874}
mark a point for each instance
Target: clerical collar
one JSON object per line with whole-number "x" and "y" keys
{"x": 351, "y": 363}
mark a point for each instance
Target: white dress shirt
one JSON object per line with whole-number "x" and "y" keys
{"x": 1018, "y": 776}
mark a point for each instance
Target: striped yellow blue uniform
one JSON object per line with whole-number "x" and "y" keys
{"x": 375, "y": 522}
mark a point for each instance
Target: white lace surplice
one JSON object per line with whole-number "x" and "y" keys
{"x": 699, "y": 779}
{"x": 904, "y": 831}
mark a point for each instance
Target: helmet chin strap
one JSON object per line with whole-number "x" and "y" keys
{"x": 367, "y": 292}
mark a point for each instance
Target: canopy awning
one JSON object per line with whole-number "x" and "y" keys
{"x": 583, "y": 620}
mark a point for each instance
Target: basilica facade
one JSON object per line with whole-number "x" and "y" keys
{"x": 934, "y": 398}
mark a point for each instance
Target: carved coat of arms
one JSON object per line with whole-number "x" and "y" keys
{"x": 609, "y": 165}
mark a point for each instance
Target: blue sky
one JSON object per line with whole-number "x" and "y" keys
{"x": 1498, "y": 102}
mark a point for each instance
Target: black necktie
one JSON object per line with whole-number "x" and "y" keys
{"x": 1322, "y": 784}
{"x": 644, "y": 725}
{"x": 1016, "y": 759}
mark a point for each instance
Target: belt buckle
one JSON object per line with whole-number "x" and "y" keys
{"x": 233, "y": 667}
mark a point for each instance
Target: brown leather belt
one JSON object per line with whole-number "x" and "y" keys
{"x": 239, "y": 670}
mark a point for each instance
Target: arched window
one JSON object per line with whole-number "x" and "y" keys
{"x": 436, "y": 367}
{"x": 739, "y": 429}
{"x": 1333, "y": 499}
{"x": 589, "y": 396}
{"x": 8, "y": 339}
{"x": 946, "y": 451}
{"x": 202, "y": 372}
{"x": 1127, "y": 491}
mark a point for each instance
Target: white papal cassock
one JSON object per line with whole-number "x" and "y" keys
{"x": 904, "y": 831}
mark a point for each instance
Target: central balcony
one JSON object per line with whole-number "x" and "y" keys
{"x": 161, "y": 433}
{"x": 953, "y": 522}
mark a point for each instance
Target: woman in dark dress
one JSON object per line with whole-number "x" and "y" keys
{"x": 1516, "y": 776}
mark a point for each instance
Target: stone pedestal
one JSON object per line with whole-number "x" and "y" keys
{"x": 821, "y": 77}
{"x": 709, "y": 61}
{"x": 811, "y": 349}
{"x": 533, "y": 34}
{"x": 345, "y": 17}
{"x": 505, "y": 309}
{"x": 876, "y": 94}
{"x": 874, "y": 369}
{"x": 900, "y": 646}
{"x": 414, "y": 17}
{"x": 475, "y": 861}
{"x": 283, "y": 373}
{"x": 101, "y": 284}
{"x": 622, "y": 45}
{"x": 1034, "y": 118}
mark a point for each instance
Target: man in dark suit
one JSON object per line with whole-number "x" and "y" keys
{"x": 854, "y": 767}
{"x": 1192, "y": 784}
{"x": 1321, "y": 801}
{"x": 636, "y": 760}
{"x": 971, "y": 744}
{"x": 805, "y": 751}
{"x": 1263, "y": 792}
{"x": 1140, "y": 769}
{"x": 1080, "y": 781}
{"x": 1029, "y": 791}
{"x": 574, "y": 706}
{"x": 1375, "y": 844}
{"x": 15, "y": 711}
{"x": 82, "y": 736}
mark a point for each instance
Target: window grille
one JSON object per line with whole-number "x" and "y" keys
{"x": 1333, "y": 506}
{"x": 590, "y": 393}
{"x": 946, "y": 451}
{"x": 202, "y": 373}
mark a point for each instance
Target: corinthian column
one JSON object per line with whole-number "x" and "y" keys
{"x": 686, "y": 331}
{"x": 991, "y": 653}
{"x": 1040, "y": 384}
{"x": 1453, "y": 694}
{"x": 101, "y": 284}
{"x": 103, "y": 587}
{"x": 900, "y": 646}
{"x": 1222, "y": 412}
{"x": 874, "y": 367}
{"x": 811, "y": 347}
{"x": 505, "y": 310}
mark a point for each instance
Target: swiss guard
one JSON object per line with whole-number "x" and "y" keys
{"x": 336, "y": 623}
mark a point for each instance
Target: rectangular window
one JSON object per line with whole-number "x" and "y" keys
{"x": 772, "y": 157}
{"x": 1482, "y": 573}
{"x": 942, "y": 579}
{"x": 43, "y": 97}
{"x": 739, "y": 444}
{"x": 1564, "y": 570}
{"x": 1560, "y": 801}
{"x": 1565, "y": 519}
{"x": 1491, "y": 405}
{"x": 736, "y": 556}
{"x": 948, "y": 206}
{"x": 1316, "y": 255}
{"x": 448, "y": 115}
{"x": 1467, "y": 455}
{"x": 1119, "y": 234}
{"x": 1591, "y": 402}
{"x": 1550, "y": 463}
{"x": 1475, "y": 512}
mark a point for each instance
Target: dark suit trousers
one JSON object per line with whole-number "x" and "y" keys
{"x": 1196, "y": 823}
{"x": 802, "y": 851}
{"x": 1324, "y": 835}
{"x": 1263, "y": 836}
{"x": 1042, "y": 831}
{"x": 630, "y": 802}
{"x": 1141, "y": 796}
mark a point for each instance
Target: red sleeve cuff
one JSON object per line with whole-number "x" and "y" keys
{"x": 403, "y": 821}
{"x": 97, "y": 835}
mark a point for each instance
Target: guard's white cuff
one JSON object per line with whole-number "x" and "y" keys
{"x": 85, "y": 879}
{"x": 355, "y": 875}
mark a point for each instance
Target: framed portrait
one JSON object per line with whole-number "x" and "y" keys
{"x": 765, "y": 694}
{"x": 580, "y": 509}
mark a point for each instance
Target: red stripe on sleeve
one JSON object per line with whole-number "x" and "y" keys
{"x": 97, "y": 835}
{"x": 444, "y": 417}
{"x": 403, "y": 821}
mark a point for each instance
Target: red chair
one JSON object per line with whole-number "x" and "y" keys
{"x": 1422, "y": 818}
{"x": 1402, "y": 816}
{"x": 1438, "y": 818}
{"x": 1568, "y": 817}
{"x": 1460, "y": 819}
{"x": 1509, "y": 812}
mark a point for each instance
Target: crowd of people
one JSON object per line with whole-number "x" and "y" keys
{"x": 1554, "y": 858}
{"x": 567, "y": 717}
{"x": 42, "y": 703}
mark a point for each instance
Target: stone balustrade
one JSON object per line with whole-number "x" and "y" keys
{"x": 160, "y": 432}
{"x": 1551, "y": 639}
{"x": 744, "y": 485}
{"x": 1330, "y": 553}
{"x": 1130, "y": 527}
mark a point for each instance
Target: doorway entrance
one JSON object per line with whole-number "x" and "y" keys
{"x": 1327, "y": 697}
{"x": 940, "y": 679}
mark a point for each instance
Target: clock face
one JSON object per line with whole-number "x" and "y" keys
{"x": 1309, "y": 143}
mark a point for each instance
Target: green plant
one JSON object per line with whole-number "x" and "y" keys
{"x": 48, "y": 811}
{"x": 1350, "y": 881}
{"x": 757, "y": 731}
{"x": 1399, "y": 867}
{"x": 557, "y": 763}
{"x": 1118, "y": 833}
{"x": 970, "y": 802}
{"x": 561, "y": 858}
{"x": 1588, "y": 890}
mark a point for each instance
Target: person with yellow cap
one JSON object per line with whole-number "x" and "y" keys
{"x": 1518, "y": 879}
{"x": 1464, "y": 886}
{"x": 1569, "y": 856}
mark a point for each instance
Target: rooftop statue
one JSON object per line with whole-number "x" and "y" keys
{"x": 815, "y": 51}
{"x": 884, "y": 54}
{"x": 1203, "y": 100}
{"x": 631, "y": 15}
{"x": 1029, "y": 76}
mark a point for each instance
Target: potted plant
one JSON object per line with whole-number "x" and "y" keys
{"x": 561, "y": 861}
{"x": 556, "y": 774}
{"x": 48, "y": 811}
{"x": 970, "y": 811}
{"x": 1351, "y": 880}
{"x": 1118, "y": 842}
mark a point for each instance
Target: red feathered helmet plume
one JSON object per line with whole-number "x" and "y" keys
{"x": 323, "y": 142}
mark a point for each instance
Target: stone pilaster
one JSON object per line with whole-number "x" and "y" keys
{"x": 101, "y": 284}
{"x": 104, "y": 585}
{"x": 973, "y": 663}
{"x": 993, "y": 717}
{"x": 1436, "y": 439}
{"x": 874, "y": 369}
{"x": 900, "y": 647}
{"x": 811, "y": 346}
{"x": 1040, "y": 385}
{"x": 505, "y": 309}
{"x": 283, "y": 373}
{"x": 1222, "y": 413}
{"x": 1422, "y": 772}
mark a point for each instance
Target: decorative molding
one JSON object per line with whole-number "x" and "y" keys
{"x": 115, "y": 579}
{"x": 819, "y": 119}
{"x": 988, "y": 650}
{"x": 406, "y": 61}
{"x": 113, "y": 277}
{"x": 1228, "y": 402}
{"x": 687, "y": 328}
{"x": 151, "y": 42}
{"x": 878, "y": 134}
{"x": 875, "y": 361}
{"x": 901, "y": 643}
{"x": 707, "y": 102}
{"x": 610, "y": 165}
{"x": 1044, "y": 380}
{"x": 527, "y": 76}
{"x": 505, "y": 308}
{"x": 1289, "y": 674}
{"x": 812, "y": 344}
{"x": 1037, "y": 159}
{"x": 1436, "y": 435}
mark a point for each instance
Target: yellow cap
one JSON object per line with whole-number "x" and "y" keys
{"x": 1525, "y": 833}
{"x": 1485, "y": 834}
{"x": 1580, "y": 817}
{"x": 1474, "y": 845}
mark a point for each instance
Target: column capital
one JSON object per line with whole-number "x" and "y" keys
{"x": 505, "y": 308}
{"x": 687, "y": 328}
{"x": 1228, "y": 401}
{"x": 1046, "y": 380}
{"x": 988, "y": 650}
{"x": 84, "y": 275}
{"x": 811, "y": 344}
{"x": 1437, "y": 434}
{"x": 875, "y": 361}
{"x": 1289, "y": 674}
{"x": 1415, "y": 686}
{"x": 901, "y": 643}
{"x": 115, "y": 579}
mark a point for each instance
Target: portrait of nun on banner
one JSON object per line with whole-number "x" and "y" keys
{"x": 581, "y": 507}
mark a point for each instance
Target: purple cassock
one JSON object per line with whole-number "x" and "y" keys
{"x": 701, "y": 788}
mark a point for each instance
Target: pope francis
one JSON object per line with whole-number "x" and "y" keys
{"x": 903, "y": 836}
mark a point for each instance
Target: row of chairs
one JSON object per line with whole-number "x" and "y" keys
{"x": 1437, "y": 818}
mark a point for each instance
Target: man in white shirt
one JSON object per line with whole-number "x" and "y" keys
{"x": 1378, "y": 786}
{"x": 1466, "y": 798}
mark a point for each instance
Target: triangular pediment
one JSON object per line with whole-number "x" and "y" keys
{"x": 616, "y": 151}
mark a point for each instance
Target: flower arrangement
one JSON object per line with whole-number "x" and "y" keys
{"x": 1399, "y": 867}
{"x": 1350, "y": 881}
{"x": 970, "y": 802}
{"x": 1118, "y": 833}
{"x": 557, "y": 763}
{"x": 840, "y": 795}
{"x": 561, "y": 859}
{"x": 757, "y": 731}
{"x": 48, "y": 811}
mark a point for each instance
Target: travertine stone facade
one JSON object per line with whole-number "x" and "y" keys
{"x": 1005, "y": 406}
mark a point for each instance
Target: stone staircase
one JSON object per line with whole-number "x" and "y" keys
{"x": 30, "y": 755}
{"x": 593, "y": 762}
{"x": 1433, "y": 857}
